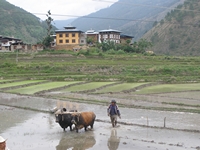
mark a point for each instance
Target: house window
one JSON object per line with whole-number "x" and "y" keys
{"x": 67, "y": 35}
{"x": 73, "y": 34}
{"x": 82, "y": 41}
{"x": 60, "y": 35}
{"x": 67, "y": 41}
{"x": 60, "y": 41}
{"x": 111, "y": 36}
{"x": 73, "y": 41}
{"x": 105, "y": 36}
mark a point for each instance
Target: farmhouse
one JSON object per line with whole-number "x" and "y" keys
{"x": 69, "y": 37}
{"x": 109, "y": 35}
{"x": 11, "y": 44}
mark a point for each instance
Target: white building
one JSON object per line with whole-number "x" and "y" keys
{"x": 109, "y": 35}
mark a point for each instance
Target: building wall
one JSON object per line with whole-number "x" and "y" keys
{"x": 67, "y": 38}
{"x": 94, "y": 37}
{"x": 124, "y": 40}
{"x": 66, "y": 47}
{"x": 83, "y": 38}
{"x": 21, "y": 47}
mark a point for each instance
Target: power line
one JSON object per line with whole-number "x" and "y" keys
{"x": 103, "y": 18}
{"x": 116, "y": 19}
{"x": 112, "y": 2}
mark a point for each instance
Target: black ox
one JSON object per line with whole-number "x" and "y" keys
{"x": 64, "y": 118}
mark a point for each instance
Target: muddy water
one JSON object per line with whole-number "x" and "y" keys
{"x": 29, "y": 130}
{"x": 32, "y": 130}
{"x": 137, "y": 116}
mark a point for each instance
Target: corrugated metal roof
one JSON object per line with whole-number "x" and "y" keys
{"x": 110, "y": 30}
{"x": 69, "y": 30}
{"x": 91, "y": 32}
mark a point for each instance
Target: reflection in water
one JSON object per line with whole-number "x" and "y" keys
{"x": 77, "y": 141}
{"x": 113, "y": 141}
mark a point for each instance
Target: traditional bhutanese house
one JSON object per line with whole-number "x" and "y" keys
{"x": 125, "y": 38}
{"x": 92, "y": 36}
{"x": 69, "y": 37}
{"x": 11, "y": 44}
{"x": 109, "y": 35}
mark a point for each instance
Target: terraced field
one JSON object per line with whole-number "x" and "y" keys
{"x": 19, "y": 83}
{"x": 120, "y": 87}
{"x": 167, "y": 88}
{"x": 88, "y": 86}
{"x": 40, "y": 87}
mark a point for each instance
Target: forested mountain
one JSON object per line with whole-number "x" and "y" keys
{"x": 18, "y": 23}
{"x": 130, "y": 10}
{"x": 62, "y": 23}
{"x": 178, "y": 34}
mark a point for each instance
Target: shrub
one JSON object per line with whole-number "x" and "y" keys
{"x": 120, "y": 52}
{"x": 111, "y": 51}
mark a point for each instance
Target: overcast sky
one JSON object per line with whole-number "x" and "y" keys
{"x": 64, "y": 7}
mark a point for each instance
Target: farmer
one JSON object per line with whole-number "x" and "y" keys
{"x": 3, "y": 144}
{"x": 113, "y": 112}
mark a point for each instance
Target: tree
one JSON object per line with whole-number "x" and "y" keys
{"x": 142, "y": 45}
{"x": 90, "y": 40}
{"x": 48, "y": 39}
{"x": 128, "y": 42}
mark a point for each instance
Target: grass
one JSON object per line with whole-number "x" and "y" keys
{"x": 40, "y": 87}
{"x": 88, "y": 86}
{"x": 120, "y": 87}
{"x": 167, "y": 88}
{"x": 19, "y": 83}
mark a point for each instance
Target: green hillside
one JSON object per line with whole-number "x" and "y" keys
{"x": 178, "y": 34}
{"x": 132, "y": 12}
{"x": 19, "y": 23}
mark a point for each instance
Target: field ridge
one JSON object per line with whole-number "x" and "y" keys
{"x": 11, "y": 81}
{"x": 100, "y": 88}
{"x": 140, "y": 87}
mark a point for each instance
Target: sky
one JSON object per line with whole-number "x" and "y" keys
{"x": 63, "y": 7}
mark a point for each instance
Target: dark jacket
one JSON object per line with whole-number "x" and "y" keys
{"x": 113, "y": 110}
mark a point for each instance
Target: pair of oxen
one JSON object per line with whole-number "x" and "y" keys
{"x": 79, "y": 119}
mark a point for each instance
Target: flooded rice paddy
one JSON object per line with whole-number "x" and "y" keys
{"x": 28, "y": 129}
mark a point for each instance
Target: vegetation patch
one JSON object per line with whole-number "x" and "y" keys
{"x": 167, "y": 88}
{"x": 40, "y": 87}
